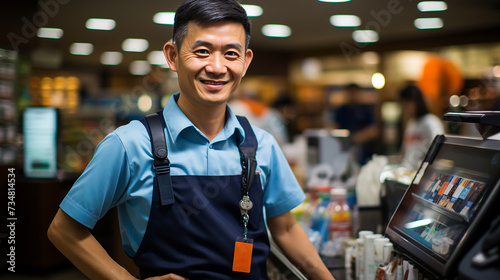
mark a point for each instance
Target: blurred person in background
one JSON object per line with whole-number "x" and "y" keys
{"x": 421, "y": 126}
{"x": 286, "y": 106}
{"x": 259, "y": 114}
{"x": 359, "y": 119}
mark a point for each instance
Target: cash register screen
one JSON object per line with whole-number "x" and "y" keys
{"x": 445, "y": 198}
{"x": 40, "y": 142}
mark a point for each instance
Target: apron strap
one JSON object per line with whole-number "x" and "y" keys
{"x": 247, "y": 152}
{"x": 155, "y": 124}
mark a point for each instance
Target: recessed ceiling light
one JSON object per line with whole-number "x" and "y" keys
{"x": 100, "y": 24}
{"x": 432, "y": 6}
{"x": 276, "y": 30}
{"x": 135, "y": 45}
{"x": 111, "y": 58}
{"x": 253, "y": 10}
{"x": 139, "y": 67}
{"x": 157, "y": 58}
{"x": 81, "y": 48}
{"x": 50, "y": 33}
{"x": 428, "y": 23}
{"x": 365, "y": 36}
{"x": 164, "y": 18}
{"x": 345, "y": 20}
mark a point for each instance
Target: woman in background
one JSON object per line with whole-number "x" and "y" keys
{"x": 421, "y": 126}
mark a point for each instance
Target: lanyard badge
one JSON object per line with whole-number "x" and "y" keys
{"x": 242, "y": 259}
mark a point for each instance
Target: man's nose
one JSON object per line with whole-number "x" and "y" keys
{"x": 216, "y": 64}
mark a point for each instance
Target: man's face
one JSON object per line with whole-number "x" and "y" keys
{"x": 210, "y": 62}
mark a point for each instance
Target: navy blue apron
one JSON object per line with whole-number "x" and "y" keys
{"x": 193, "y": 227}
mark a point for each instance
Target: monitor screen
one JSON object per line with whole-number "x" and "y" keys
{"x": 447, "y": 195}
{"x": 40, "y": 142}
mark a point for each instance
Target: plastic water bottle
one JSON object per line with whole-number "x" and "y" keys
{"x": 341, "y": 217}
{"x": 339, "y": 224}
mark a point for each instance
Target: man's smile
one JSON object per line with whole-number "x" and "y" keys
{"x": 215, "y": 83}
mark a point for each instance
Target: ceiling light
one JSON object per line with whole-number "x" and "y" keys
{"x": 378, "y": 80}
{"x": 81, "y": 48}
{"x": 50, "y": 33}
{"x": 464, "y": 100}
{"x": 111, "y": 58}
{"x": 432, "y": 6}
{"x": 311, "y": 67}
{"x": 334, "y": 1}
{"x": 164, "y": 18}
{"x": 253, "y": 10}
{"x": 370, "y": 58}
{"x": 428, "y": 23}
{"x": 139, "y": 67}
{"x": 365, "y": 36}
{"x": 276, "y": 30}
{"x": 144, "y": 103}
{"x": 345, "y": 20}
{"x": 157, "y": 58}
{"x": 100, "y": 24}
{"x": 454, "y": 100}
{"x": 135, "y": 45}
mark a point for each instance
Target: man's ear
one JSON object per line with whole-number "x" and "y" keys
{"x": 170, "y": 52}
{"x": 248, "y": 59}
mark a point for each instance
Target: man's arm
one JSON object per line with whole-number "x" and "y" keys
{"x": 364, "y": 135}
{"x": 293, "y": 241}
{"x": 77, "y": 243}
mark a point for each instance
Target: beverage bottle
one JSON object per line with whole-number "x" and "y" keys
{"x": 340, "y": 227}
{"x": 320, "y": 218}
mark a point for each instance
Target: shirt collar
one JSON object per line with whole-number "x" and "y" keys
{"x": 177, "y": 122}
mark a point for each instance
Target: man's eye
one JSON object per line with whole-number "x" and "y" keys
{"x": 232, "y": 54}
{"x": 202, "y": 51}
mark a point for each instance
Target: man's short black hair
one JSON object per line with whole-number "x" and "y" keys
{"x": 208, "y": 11}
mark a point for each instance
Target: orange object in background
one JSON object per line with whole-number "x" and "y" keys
{"x": 439, "y": 81}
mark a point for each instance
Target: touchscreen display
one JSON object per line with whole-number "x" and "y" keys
{"x": 445, "y": 198}
{"x": 40, "y": 142}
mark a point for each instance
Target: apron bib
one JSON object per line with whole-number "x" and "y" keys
{"x": 194, "y": 236}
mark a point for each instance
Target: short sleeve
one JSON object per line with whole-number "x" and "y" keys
{"x": 282, "y": 192}
{"x": 101, "y": 185}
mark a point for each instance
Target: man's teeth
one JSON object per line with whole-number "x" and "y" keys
{"x": 213, "y": 83}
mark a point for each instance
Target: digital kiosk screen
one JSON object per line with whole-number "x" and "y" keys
{"x": 40, "y": 142}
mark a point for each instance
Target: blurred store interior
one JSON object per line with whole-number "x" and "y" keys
{"x": 99, "y": 64}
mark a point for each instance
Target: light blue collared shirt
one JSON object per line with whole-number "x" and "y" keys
{"x": 121, "y": 174}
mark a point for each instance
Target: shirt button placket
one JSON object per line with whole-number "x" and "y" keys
{"x": 209, "y": 151}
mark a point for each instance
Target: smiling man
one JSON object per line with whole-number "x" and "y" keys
{"x": 197, "y": 203}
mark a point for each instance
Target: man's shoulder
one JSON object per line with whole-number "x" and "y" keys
{"x": 133, "y": 133}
